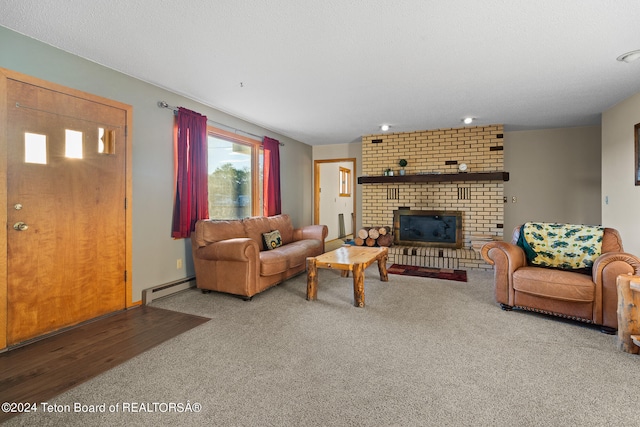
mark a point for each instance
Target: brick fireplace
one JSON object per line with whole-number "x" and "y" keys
{"x": 432, "y": 183}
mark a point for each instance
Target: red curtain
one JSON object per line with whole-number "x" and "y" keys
{"x": 271, "y": 177}
{"x": 192, "y": 196}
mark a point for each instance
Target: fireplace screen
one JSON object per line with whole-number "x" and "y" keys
{"x": 428, "y": 228}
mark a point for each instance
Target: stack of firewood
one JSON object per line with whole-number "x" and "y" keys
{"x": 374, "y": 236}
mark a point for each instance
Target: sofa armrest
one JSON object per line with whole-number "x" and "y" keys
{"x": 238, "y": 249}
{"x": 505, "y": 258}
{"x": 620, "y": 261}
{"x": 318, "y": 232}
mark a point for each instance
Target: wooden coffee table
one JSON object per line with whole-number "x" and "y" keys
{"x": 347, "y": 258}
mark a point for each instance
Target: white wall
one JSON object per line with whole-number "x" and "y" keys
{"x": 618, "y": 178}
{"x": 555, "y": 176}
{"x": 154, "y": 251}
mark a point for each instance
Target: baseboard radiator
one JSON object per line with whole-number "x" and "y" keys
{"x": 160, "y": 291}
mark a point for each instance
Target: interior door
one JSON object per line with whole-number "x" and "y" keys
{"x": 66, "y": 221}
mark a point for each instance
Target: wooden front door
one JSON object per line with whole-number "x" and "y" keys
{"x": 66, "y": 194}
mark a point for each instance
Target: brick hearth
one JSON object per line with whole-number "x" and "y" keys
{"x": 437, "y": 257}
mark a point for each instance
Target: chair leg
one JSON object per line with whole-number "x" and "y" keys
{"x": 608, "y": 330}
{"x": 506, "y": 307}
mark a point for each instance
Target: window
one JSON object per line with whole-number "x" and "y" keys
{"x": 73, "y": 144}
{"x": 35, "y": 148}
{"x": 235, "y": 175}
{"x": 345, "y": 182}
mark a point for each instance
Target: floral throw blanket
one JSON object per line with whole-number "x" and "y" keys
{"x": 565, "y": 246}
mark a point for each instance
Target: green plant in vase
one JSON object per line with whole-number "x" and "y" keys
{"x": 402, "y": 163}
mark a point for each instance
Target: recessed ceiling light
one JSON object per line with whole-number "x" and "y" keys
{"x": 384, "y": 128}
{"x": 629, "y": 56}
{"x": 467, "y": 120}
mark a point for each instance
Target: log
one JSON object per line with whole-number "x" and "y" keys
{"x": 358, "y": 285}
{"x": 373, "y": 233}
{"x": 382, "y": 267}
{"x": 385, "y": 240}
{"x": 628, "y": 313}
{"x": 312, "y": 279}
{"x": 358, "y": 241}
{"x": 382, "y": 231}
{"x": 370, "y": 241}
{"x": 363, "y": 233}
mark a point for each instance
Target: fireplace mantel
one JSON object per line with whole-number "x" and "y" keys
{"x": 433, "y": 177}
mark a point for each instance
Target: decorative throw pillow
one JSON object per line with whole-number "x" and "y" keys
{"x": 272, "y": 239}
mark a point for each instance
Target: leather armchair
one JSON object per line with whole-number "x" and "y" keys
{"x": 569, "y": 294}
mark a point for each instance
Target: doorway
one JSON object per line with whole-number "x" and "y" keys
{"x": 66, "y": 185}
{"x": 335, "y": 197}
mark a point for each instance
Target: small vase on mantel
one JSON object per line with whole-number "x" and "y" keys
{"x": 402, "y": 163}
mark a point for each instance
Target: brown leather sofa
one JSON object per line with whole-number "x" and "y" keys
{"x": 574, "y": 295}
{"x": 230, "y": 255}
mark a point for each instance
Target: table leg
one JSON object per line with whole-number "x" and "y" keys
{"x": 312, "y": 279}
{"x": 382, "y": 268}
{"x": 358, "y": 285}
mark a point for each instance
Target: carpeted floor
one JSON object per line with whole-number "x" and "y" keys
{"x": 428, "y": 272}
{"x": 438, "y": 354}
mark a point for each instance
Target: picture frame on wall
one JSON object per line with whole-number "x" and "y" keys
{"x": 636, "y": 143}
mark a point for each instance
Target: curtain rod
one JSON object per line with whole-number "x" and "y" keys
{"x": 163, "y": 104}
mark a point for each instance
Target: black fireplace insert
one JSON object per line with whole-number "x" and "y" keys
{"x": 441, "y": 229}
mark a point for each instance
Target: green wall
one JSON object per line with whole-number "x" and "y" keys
{"x": 154, "y": 251}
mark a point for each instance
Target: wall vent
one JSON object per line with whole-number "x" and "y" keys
{"x": 393, "y": 193}
{"x": 464, "y": 193}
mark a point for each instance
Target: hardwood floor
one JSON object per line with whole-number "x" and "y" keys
{"x": 43, "y": 369}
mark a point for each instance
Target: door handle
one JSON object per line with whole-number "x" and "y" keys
{"x": 20, "y": 226}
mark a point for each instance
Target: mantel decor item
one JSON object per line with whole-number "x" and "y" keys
{"x": 402, "y": 163}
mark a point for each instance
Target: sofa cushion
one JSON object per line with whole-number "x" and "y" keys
{"x": 283, "y": 224}
{"x": 286, "y": 257}
{"x": 272, "y": 239}
{"x": 213, "y": 230}
{"x": 554, "y": 284}
{"x": 254, "y": 227}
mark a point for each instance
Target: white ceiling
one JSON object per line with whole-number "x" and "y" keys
{"x": 329, "y": 71}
